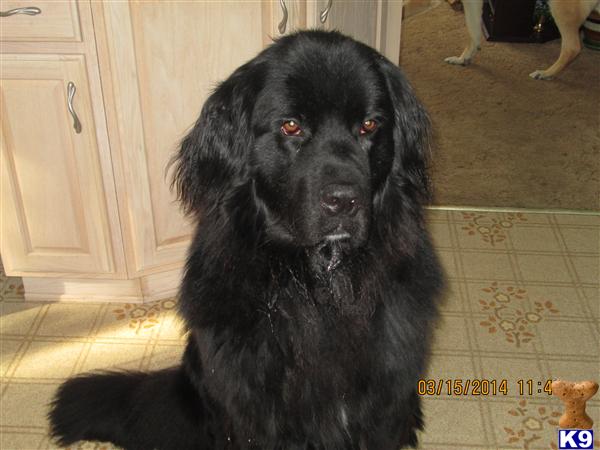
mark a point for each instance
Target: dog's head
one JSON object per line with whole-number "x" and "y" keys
{"x": 317, "y": 141}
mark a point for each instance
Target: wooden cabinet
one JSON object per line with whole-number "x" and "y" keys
{"x": 45, "y": 20}
{"x": 53, "y": 205}
{"x": 374, "y": 22}
{"x": 58, "y": 205}
{"x": 159, "y": 62}
{"x": 89, "y": 214}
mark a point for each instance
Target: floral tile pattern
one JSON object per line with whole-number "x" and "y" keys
{"x": 490, "y": 227}
{"x": 532, "y": 421}
{"x": 145, "y": 316}
{"x": 509, "y": 313}
{"x": 523, "y": 307}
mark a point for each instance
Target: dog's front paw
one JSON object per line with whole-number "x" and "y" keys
{"x": 457, "y": 60}
{"x": 540, "y": 75}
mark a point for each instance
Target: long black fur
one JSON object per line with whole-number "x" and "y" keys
{"x": 295, "y": 342}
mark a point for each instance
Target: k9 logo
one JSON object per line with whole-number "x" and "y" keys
{"x": 575, "y": 439}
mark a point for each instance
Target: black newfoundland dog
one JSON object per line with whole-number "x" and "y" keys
{"x": 311, "y": 284}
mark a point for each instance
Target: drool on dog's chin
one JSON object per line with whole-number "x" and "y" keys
{"x": 330, "y": 251}
{"x": 335, "y": 245}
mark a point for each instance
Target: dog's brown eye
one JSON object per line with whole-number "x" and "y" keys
{"x": 291, "y": 128}
{"x": 368, "y": 126}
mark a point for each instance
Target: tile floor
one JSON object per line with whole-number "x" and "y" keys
{"x": 523, "y": 304}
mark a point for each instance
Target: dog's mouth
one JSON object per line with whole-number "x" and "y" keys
{"x": 337, "y": 236}
{"x": 332, "y": 245}
{"x": 328, "y": 254}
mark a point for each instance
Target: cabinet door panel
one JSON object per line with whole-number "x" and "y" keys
{"x": 165, "y": 58}
{"x": 374, "y": 22}
{"x": 355, "y": 17}
{"x": 53, "y": 209}
{"x": 56, "y": 21}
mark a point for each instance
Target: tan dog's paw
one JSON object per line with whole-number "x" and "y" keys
{"x": 457, "y": 61}
{"x": 540, "y": 75}
{"x": 574, "y": 395}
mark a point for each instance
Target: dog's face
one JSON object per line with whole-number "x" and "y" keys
{"x": 323, "y": 142}
{"x": 319, "y": 132}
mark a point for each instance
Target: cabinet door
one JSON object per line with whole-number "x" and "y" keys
{"x": 53, "y": 208}
{"x": 374, "y": 22}
{"x": 164, "y": 60}
{"x": 47, "y": 20}
{"x": 284, "y": 17}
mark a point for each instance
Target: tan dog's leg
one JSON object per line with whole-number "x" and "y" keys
{"x": 473, "y": 9}
{"x": 569, "y": 15}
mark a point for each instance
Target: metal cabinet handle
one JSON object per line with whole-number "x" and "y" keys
{"x": 283, "y": 24}
{"x": 29, "y": 10}
{"x": 326, "y": 11}
{"x": 70, "y": 94}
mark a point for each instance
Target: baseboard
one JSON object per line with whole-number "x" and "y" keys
{"x": 161, "y": 285}
{"x": 139, "y": 290}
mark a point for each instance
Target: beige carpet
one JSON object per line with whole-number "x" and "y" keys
{"x": 523, "y": 304}
{"x": 502, "y": 138}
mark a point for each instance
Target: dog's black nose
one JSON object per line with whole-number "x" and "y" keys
{"x": 337, "y": 199}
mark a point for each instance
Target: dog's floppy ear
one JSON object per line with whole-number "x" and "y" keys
{"x": 411, "y": 132}
{"x": 212, "y": 157}
{"x": 397, "y": 206}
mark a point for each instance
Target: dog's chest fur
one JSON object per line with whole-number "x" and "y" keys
{"x": 310, "y": 363}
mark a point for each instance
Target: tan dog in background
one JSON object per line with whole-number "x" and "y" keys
{"x": 569, "y": 15}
